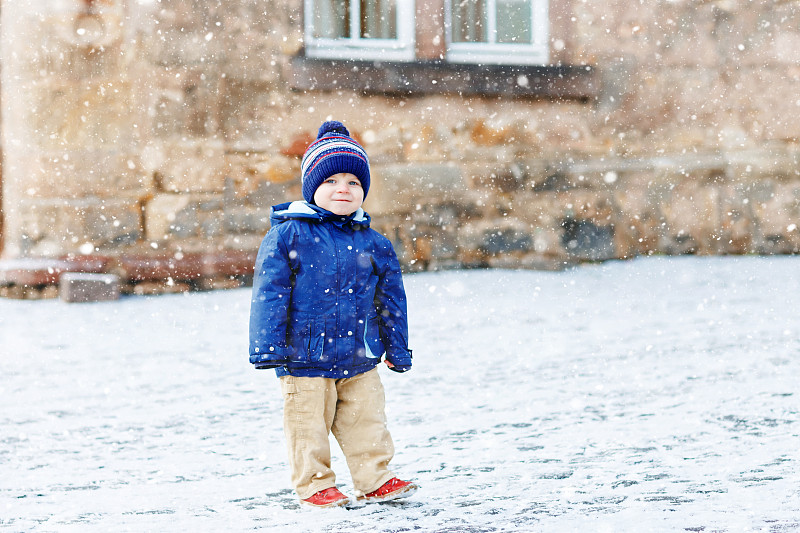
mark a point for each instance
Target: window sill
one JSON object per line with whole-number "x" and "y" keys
{"x": 423, "y": 78}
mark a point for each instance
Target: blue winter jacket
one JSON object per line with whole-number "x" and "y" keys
{"x": 328, "y": 297}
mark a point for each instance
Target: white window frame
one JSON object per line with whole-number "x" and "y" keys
{"x": 535, "y": 53}
{"x": 356, "y": 47}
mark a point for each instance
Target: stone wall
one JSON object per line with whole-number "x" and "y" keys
{"x": 166, "y": 130}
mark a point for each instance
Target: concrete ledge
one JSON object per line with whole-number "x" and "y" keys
{"x": 186, "y": 266}
{"x": 31, "y": 278}
{"x": 84, "y": 287}
{"x": 32, "y": 272}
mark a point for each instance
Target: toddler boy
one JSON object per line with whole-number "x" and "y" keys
{"x": 328, "y": 304}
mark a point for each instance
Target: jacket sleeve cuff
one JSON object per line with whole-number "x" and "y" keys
{"x": 269, "y": 358}
{"x": 400, "y": 360}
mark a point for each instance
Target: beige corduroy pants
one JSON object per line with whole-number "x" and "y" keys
{"x": 351, "y": 408}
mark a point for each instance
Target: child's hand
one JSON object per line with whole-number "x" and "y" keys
{"x": 396, "y": 368}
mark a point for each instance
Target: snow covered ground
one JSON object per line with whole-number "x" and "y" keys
{"x": 656, "y": 394}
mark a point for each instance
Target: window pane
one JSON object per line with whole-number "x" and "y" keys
{"x": 469, "y": 21}
{"x": 332, "y": 19}
{"x": 514, "y": 21}
{"x": 378, "y": 19}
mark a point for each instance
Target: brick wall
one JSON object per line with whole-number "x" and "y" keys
{"x": 167, "y": 129}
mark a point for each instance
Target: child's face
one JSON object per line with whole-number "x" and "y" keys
{"x": 341, "y": 194}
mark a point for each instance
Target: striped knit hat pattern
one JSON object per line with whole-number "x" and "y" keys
{"x": 334, "y": 152}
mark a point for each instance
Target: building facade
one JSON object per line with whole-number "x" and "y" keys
{"x": 150, "y": 137}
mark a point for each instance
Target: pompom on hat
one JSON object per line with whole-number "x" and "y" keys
{"x": 334, "y": 152}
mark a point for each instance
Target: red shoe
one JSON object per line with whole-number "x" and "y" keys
{"x": 331, "y": 497}
{"x": 391, "y": 490}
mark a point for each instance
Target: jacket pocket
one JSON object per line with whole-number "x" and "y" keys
{"x": 308, "y": 340}
{"x": 373, "y": 344}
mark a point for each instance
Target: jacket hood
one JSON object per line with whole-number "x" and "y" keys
{"x": 305, "y": 211}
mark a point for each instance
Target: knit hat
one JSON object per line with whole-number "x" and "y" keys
{"x": 333, "y": 152}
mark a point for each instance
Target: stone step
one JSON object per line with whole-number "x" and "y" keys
{"x": 77, "y": 287}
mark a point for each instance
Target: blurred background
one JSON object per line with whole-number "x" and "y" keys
{"x": 147, "y": 139}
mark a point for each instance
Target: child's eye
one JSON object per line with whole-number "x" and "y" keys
{"x": 353, "y": 182}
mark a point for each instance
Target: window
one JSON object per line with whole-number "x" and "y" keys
{"x": 360, "y": 29}
{"x": 420, "y": 47}
{"x": 497, "y": 31}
